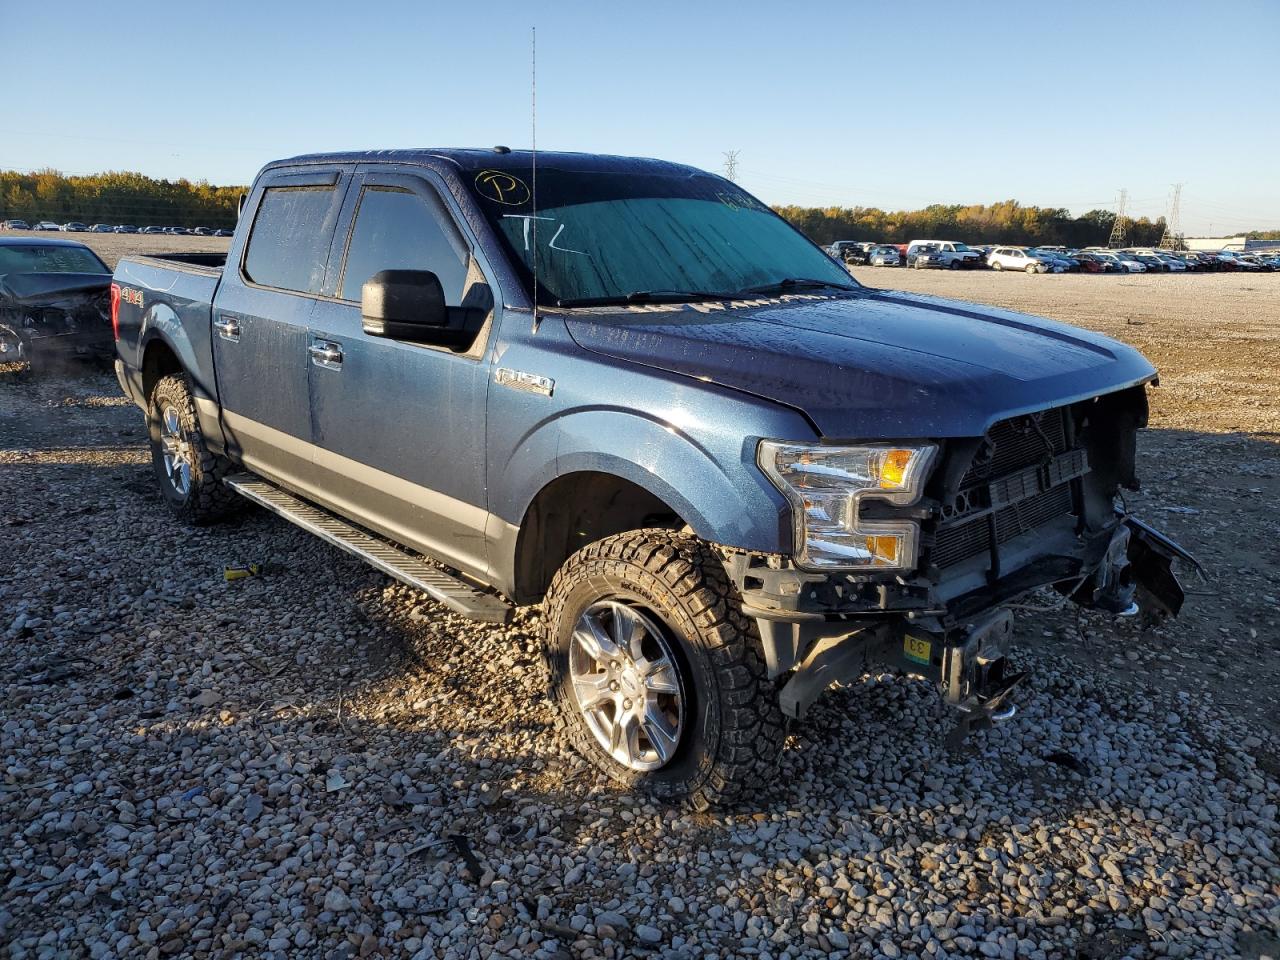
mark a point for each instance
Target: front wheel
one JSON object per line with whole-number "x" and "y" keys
{"x": 1032, "y": 268}
{"x": 997, "y": 266}
{"x": 658, "y": 677}
{"x": 189, "y": 474}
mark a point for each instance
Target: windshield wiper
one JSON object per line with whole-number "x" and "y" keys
{"x": 649, "y": 296}
{"x": 792, "y": 283}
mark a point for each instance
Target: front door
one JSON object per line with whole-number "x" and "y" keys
{"x": 261, "y": 321}
{"x": 399, "y": 427}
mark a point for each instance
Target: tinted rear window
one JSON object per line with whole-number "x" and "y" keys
{"x": 290, "y": 239}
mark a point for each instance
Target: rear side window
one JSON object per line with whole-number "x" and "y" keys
{"x": 289, "y": 242}
{"x": 396, "y": 229}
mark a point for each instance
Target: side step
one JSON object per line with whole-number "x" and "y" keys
{"x": 454, "y": 593}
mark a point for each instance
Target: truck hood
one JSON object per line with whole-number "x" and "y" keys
{"x": 39, "y": 289}
{"x": 873, "y": 364}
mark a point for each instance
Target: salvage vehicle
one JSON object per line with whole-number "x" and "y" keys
{"x": 731, "y": 475}
{"x": 954, "y": 255}
{"x": 884, "y": 257}
{"x": 1015, "y": 258}
{"x": 53, "y": 301}
{"x": 15, "y": 225}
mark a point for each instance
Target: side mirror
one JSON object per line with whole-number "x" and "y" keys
{"x": 403, "y": 305}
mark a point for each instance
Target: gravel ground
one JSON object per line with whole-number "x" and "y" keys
{"x": 316, "y": 762}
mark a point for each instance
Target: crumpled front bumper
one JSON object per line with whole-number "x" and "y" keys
{"x": 827, "y": 628}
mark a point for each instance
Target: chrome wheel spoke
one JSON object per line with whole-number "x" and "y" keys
{"x": 628, "y": 630}
{"x": 660, "y": 677}
{"x": 627, "y": 735}
{"x": 662, "y": 734}
{"x": 591, "y": 635}
{"x": 592, "y": 690}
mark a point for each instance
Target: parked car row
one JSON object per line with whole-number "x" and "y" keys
{"x": 76, "y": 227}
{"x": 950, "y": 255}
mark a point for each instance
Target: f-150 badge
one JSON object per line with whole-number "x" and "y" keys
{"x": 528, "y": 382}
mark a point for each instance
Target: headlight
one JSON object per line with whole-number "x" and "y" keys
{"x": 825, "y": 486}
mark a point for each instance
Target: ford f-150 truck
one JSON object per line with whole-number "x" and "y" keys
{"x": 627, "y": 390}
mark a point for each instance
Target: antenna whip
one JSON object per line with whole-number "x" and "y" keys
{"x": 533, "y": 134}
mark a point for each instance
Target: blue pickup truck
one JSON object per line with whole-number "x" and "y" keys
{"x": 627, "y": 390}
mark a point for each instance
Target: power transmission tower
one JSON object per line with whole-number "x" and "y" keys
{"x": 1118, "y": 236}
{"x": 1172, "y": 239}
{"x": 731, "y": 164}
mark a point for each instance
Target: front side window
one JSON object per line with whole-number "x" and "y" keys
{"x": 395, "y": 229}
{"x": 606, "y": 235}
{"x": 289, "y": 242}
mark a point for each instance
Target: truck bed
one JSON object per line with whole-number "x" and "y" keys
{"x": 169, "y": 297}
{"x": 210, "y": 262}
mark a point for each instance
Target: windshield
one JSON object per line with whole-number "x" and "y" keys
{"x": 605, "y": 235}
{"x": 49, "y": 258}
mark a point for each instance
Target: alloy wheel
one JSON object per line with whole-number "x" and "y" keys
{"x": 627, "y": 684}
{"x": 176, "y": 450}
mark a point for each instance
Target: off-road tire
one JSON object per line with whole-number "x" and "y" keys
{"x": 734, "y": 728}
{"x": 208, "y": 499}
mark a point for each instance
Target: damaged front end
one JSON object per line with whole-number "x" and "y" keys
{"x": 1033, "y": 503}
{"x": 56, "y": 315}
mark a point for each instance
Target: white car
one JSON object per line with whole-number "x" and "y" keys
{"x": 1015, "y": 258}
{"x": 954, "y": 255}
{"x": 1123, "y": 263}
{"x": 884, "y": 257}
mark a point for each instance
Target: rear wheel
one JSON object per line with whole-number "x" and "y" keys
{"x": 189, "y": 474}
{"x": 657, "y": 676}
{"x": 954, "y": 265}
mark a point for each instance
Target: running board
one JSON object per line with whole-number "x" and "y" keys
{"x": 454, "y": 593}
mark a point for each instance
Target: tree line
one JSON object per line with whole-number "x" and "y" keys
{"x": 116, "y": 197}
{"x": 1004, "y": 222}
{"x": 124, "y": 197}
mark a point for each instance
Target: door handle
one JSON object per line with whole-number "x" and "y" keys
{"x": 326, "y": 353}
{"x": 228, "y": 328}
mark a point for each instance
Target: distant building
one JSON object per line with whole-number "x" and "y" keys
{"x": 1230, "y": 243}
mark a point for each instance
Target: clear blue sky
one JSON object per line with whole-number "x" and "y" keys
{"x": 892, "y": 104}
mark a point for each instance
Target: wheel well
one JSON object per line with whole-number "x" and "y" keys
{"x": 158, "y": 361}
{"x": 573, "y": 511}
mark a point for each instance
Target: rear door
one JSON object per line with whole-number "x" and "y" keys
{"x": 261, "y": 320}
{"x": 399, "y": 427}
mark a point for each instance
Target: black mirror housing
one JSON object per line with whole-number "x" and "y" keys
{"x": 403, "y": 305}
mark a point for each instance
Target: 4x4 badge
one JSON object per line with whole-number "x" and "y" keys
{"x": 528, "y": 382}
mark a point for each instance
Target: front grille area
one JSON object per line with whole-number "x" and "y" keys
{"x": 1011, "y": 447}
{"x": 1013, "y": 444}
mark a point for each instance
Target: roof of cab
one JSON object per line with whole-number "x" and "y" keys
{"x": 490, "y": 158}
